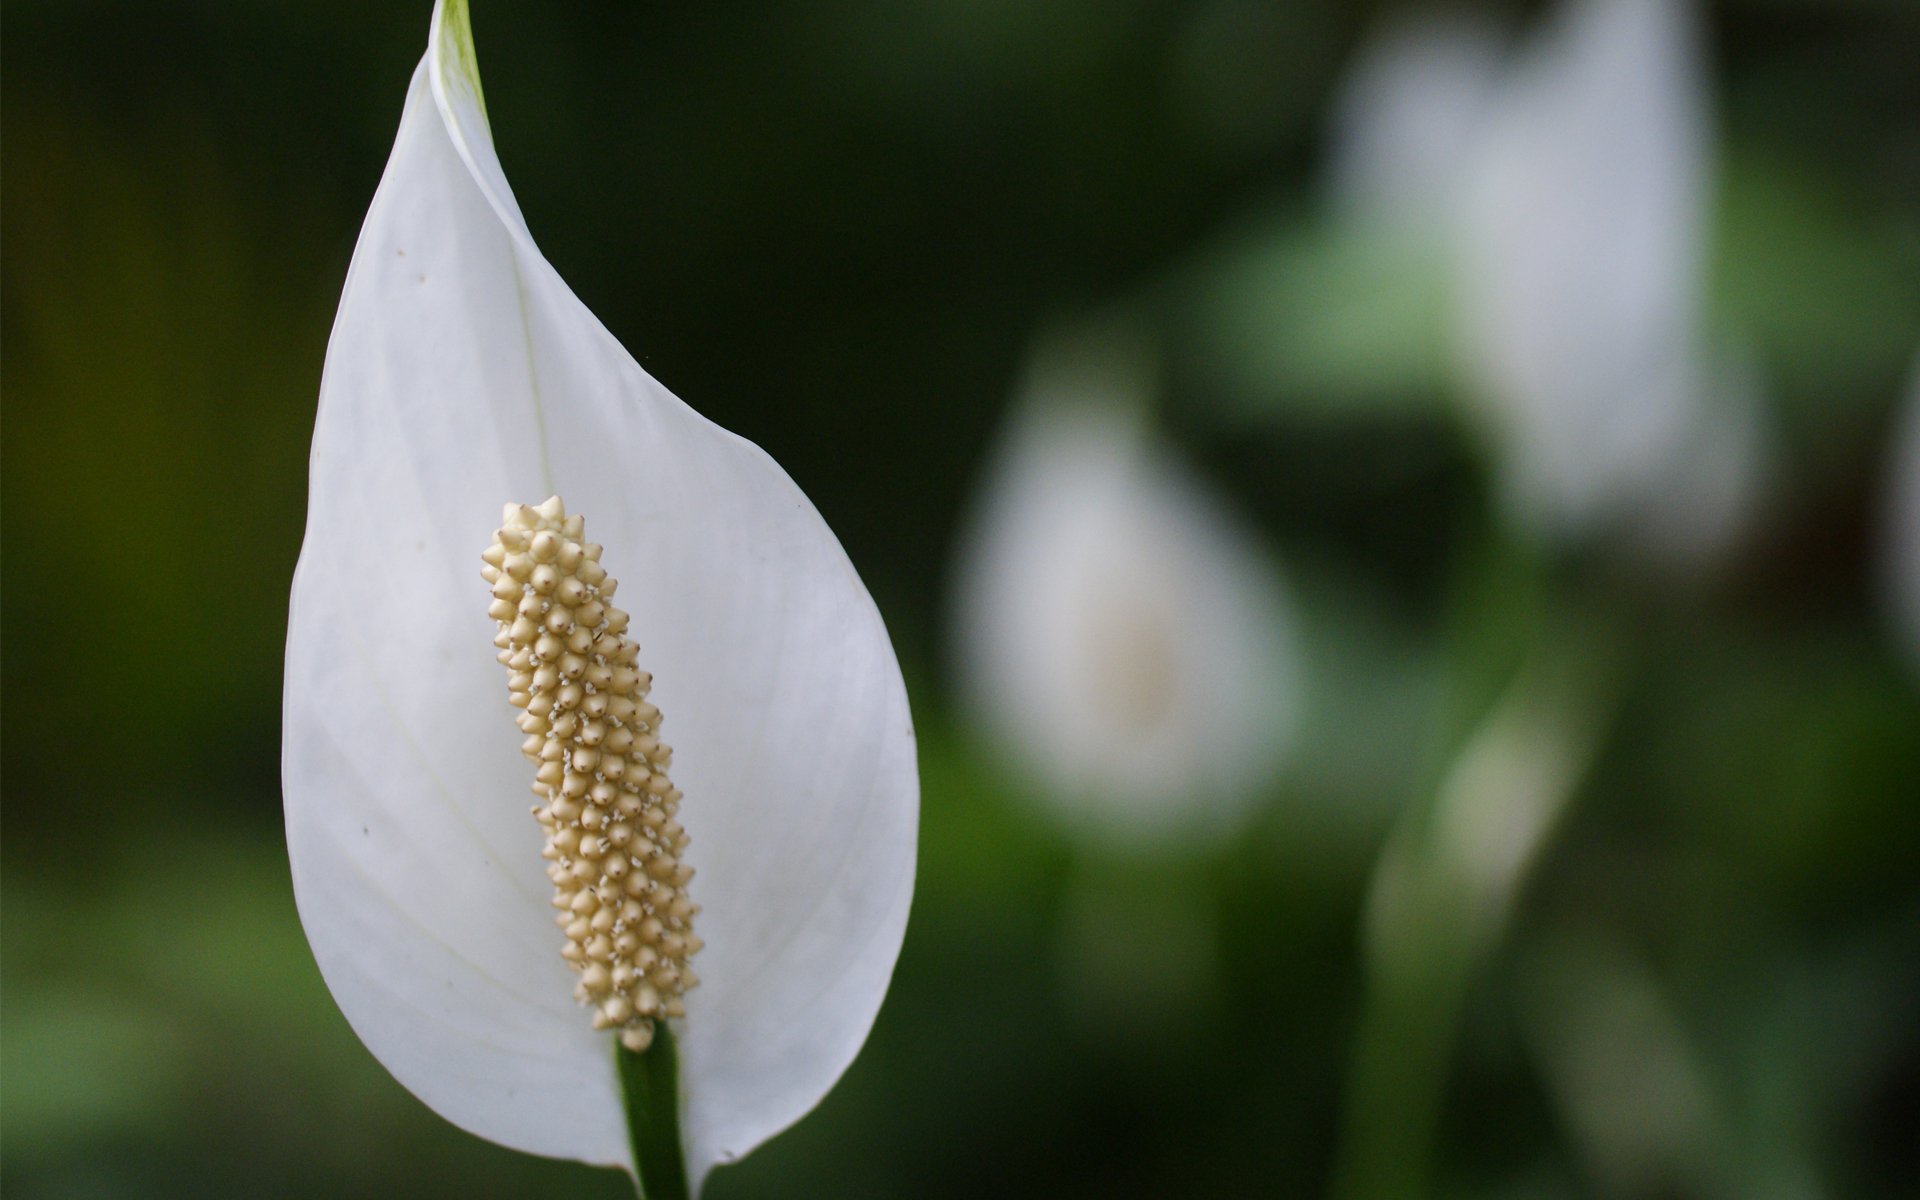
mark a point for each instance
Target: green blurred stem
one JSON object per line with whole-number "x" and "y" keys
{"x": 650, "y": 1088}
{"x": 1443, "y": 893}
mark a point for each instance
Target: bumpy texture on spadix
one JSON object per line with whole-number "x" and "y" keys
{"x": 614, "y": 846}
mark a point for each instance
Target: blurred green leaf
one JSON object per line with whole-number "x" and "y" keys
{"x": 1295, "y": 316}
{"x": 1822, "y": 284}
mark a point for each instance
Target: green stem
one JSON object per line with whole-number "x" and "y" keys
{"x": 1444, "y": 893}
{"x": 650, "y": 1086}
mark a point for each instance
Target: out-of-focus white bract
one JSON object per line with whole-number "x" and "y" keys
{"x": 1119, "y": 636}
{"x": 1581, "y": 257}
{"x": 463, "y": 373}
{"x": 1570, "y": 183}
{"x": 1408, "y": 113}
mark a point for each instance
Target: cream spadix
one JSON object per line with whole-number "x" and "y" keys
{"x": 463, "y": 373}
{"x": 614, "y": 848}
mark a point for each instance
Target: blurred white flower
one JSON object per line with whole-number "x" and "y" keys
{"x": 462, "y": 373}
{"x": 1903, "y": 524}
{"x": 1581, "y": 255}
{"x": 1124, "y": 640}
{"x": 1570, "y": 189}
{"x": 1407, "y": 114}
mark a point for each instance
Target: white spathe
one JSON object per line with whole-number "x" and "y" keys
{"x": 1124, "y": 641}
{"x": 1582, "y": 243}
{"x": 1407, "y": 115}
{"x": 462, "y": 374}
{"x": 1567, "y": 185}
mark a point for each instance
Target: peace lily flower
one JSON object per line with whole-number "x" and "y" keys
{"x": 1581, "y": 251}
{"x": 763, "y": 791}
{"x": 1407, "y": 114}
{"x": 1122, "y": 638}
{"x": 1567, "y": 189}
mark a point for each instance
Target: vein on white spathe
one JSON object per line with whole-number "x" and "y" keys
{"x": 1118, "y": 634}
{"x": 463, "y": 373}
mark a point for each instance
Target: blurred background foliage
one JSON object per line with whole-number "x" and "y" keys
{"x": 835, "y": 226}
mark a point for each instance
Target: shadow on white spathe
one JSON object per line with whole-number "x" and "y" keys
{"x": 1119, "y": 637}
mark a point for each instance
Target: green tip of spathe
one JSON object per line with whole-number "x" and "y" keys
{"x": 455, "y": 47}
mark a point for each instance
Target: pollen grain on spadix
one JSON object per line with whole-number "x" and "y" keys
{"x": 614, "y": 847}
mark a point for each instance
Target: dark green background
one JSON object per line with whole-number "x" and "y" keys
{"x": 835, "y": 227}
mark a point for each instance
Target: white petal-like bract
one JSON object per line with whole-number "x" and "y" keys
{"x": 1407, "y": 113}
{"x": 1125, "y": 643}
{"x": 462, "y": 374}
{"x": 1580, "y": 257}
